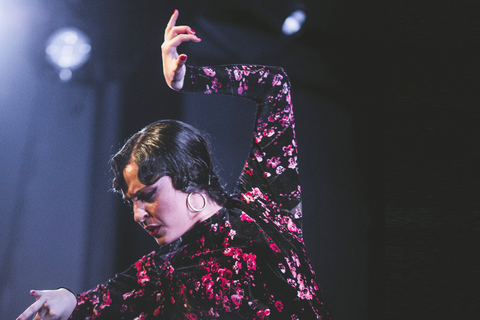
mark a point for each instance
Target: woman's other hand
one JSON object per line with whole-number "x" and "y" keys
{"x": 173, "y": 63}
{"x": 51, "y": 305}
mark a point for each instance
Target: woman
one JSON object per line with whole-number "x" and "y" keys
{"x": 228, "y": 257}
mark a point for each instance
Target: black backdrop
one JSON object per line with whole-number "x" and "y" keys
{"x": 383, "y": 95}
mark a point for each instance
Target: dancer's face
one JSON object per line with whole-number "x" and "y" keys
{"x": 159, "y": 208}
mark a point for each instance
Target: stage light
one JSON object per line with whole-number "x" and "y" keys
{"x": 68, "y": 49}
{"x": 294, "y": 22}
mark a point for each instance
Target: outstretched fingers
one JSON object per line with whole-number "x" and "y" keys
{"x": 173, "y": 62}
{"x": 175, "y": 35}
{"x": 170, "y": 46}
{"x": 178, "y": 30}
{"x": 34, "y": 307}
{"x": 172, "y": 29}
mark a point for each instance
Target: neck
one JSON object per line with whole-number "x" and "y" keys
{"x": 209, "y": 211}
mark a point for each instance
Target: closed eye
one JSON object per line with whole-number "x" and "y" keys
{"x": 148, "y": 196}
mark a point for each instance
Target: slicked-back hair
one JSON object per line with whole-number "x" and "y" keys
{"x": 169, "y": 148}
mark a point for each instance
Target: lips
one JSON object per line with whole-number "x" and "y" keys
{"x": 152, "y": 229}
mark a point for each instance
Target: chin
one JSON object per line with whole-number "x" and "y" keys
{"x": 162, "y": 241}
{"x": 166, "y": 240}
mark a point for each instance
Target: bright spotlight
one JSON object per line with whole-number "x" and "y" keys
{"x": 294, "y": 22}
{"x": 68, "y": 49}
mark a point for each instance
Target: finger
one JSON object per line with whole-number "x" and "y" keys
{"x": 171, "y": 45}
{"x": 171, "y": 22}
{"x": 36, "y": 293}
{"x": 178, "y": 30}
{"x": 30, "y": 311}
{"x": 43, "y": 310}
{"x": 182, "y": 59}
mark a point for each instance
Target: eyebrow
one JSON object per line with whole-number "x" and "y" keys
{"x": 138, "y": 193}
{"x": 135, "y": 195}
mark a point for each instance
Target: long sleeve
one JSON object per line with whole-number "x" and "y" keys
{"x": 126, "y": 294}
{"x": 269, "y": 179}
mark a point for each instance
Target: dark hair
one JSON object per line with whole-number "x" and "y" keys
{"x": 169, "y": 148}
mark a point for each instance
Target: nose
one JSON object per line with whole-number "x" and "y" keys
{"x": 139, "y": 212}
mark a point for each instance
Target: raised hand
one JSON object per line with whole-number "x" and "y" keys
{"x": 173, "y": 63}
{"x": 50, "y": 305}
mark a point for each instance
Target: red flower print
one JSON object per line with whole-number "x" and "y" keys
{"x": 274, "y": 247}
{"x": 207, "y": 278}
{"x": 292, "y": 162}
{"x": 285, "y": 120}
{"x": 263, "y": 313}
{"x": 268, "y": 132}
{"x": 280, "y": 170}
{"x": 237, "y": 300}
{"x": 251, "y": 262}
{"x": 237, "y": 253}
{"x": 274, "y": 117}
{"x": 216, "y": 85}
{"x": 240, "y": 89}
{"x": 139, "y": 293}
{"x": 258, "y": 138}
{"x": 225, "y": 273}
{"x": 259, "y": 155}
{"x": 106, "y": 300}
{"x": 248, "y": 197}
{"x": 213, "y": 313}
{"x": 222, "y": 281}
{"x": 237, "y": 266}
{"x": 277, "y": 80}
{"x": 274, "y": 162}
{"x": 246, "y": 217}
{"x": 288, "y": 150}
{"x": 238, "y": 74}
{"x": 209, "y": 72}
{"x": 214, "y": 267}
{"x": 229, "y": 251}
{"x": 292, "y": 227}
{"x": 142, "y": 316}
{"x": 128, "y": 294}
{"x": 279, "y": 305}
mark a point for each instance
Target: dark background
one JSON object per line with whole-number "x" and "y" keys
{"x": 388, "y": 142}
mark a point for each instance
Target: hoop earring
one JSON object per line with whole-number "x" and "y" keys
{"x": 190, "y": 205}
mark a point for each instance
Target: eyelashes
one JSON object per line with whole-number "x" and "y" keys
{"x": 147, "y": 197}
{"x": 142, "y": 196}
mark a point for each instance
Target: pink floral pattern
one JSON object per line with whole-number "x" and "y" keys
{"x": 248, "y": 261}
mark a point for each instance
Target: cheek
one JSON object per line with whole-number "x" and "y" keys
{"x": 152, "y": 209}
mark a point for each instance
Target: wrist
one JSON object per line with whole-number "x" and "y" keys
{"x": 73, "y": 293}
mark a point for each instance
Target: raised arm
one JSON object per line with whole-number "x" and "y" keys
{"x": 270, "y": 176}
{"x": 270, "y": 173}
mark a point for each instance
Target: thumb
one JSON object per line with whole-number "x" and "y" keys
{"x": 182, "y": 59}
{"x": 36, "y": 293}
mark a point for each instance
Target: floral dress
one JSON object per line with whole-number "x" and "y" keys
{"x": 248, "y": 260}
